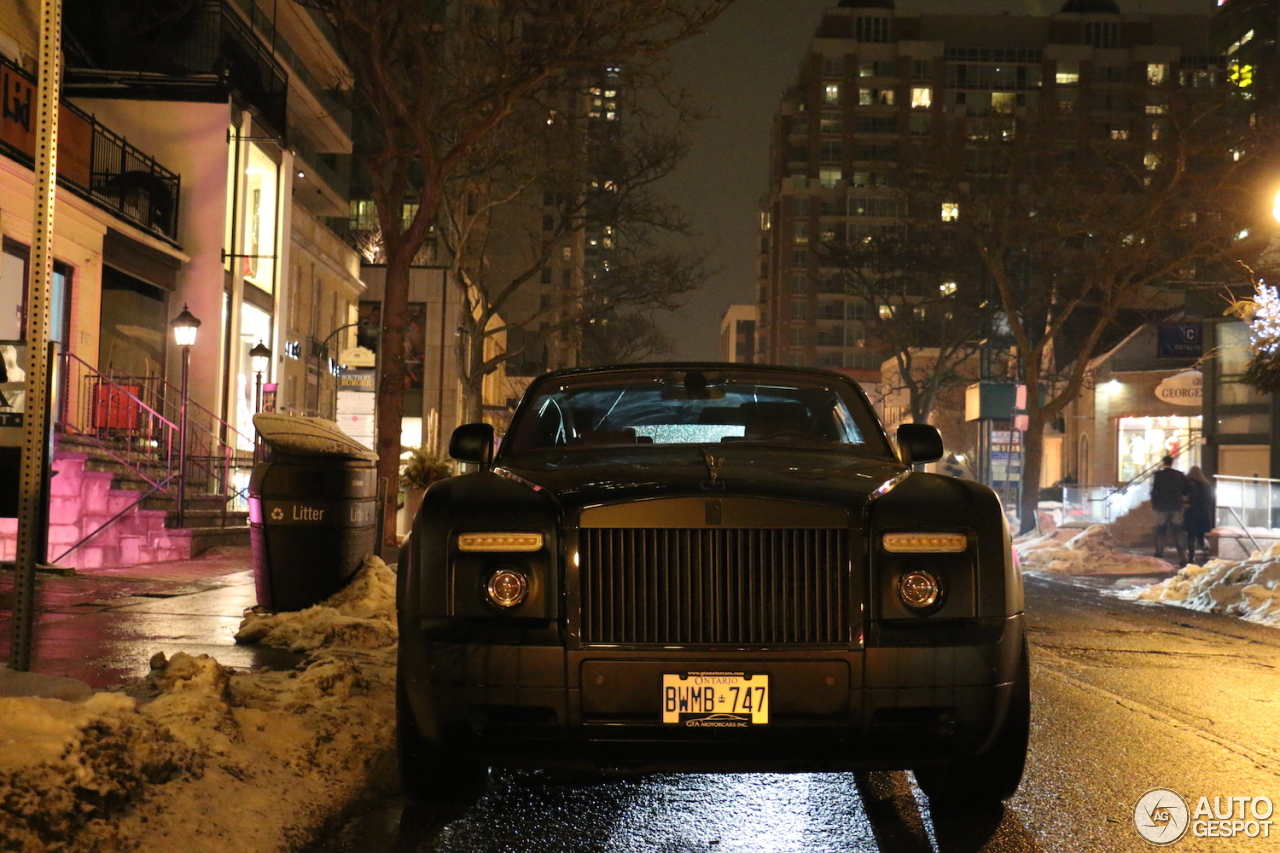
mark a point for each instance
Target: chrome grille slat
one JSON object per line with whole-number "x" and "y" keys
{"x": 714, "y": 586}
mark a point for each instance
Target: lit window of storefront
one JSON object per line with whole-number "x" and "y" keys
{"x": 255, "y": 327}
{"x": 1143, "y": 442}
{"x": 260, "y": 219}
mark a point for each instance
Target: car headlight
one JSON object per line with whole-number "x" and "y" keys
{"x": 511, "y": 543}
{"x": 507, "y": 587}
{"x": 925, "y": 543}
{"x": 919, "y": 589}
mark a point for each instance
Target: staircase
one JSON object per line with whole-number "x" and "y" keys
{"x": 90, "y": 489}
{"x": 113, "y": 498}
{"x": 1137, "y": 528}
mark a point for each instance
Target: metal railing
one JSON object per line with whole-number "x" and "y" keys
{"x": 1099, "y": 504}
{"x": 132, "y": 183}
{"x": 134, "y": 420}
{"x": 1248, "y": 502}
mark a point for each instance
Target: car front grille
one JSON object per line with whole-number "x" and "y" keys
{"x": 714, "y": 586}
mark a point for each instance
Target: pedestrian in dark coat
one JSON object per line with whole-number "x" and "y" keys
{"x": 1198, "y": 518}
{"x": 1168, "y": 495}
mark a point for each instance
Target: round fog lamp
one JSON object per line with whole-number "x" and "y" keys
{"x": 919, "y": 589}
{"x": 507, "y": 587}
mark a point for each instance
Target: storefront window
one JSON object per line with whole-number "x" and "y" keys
{"x": 259, "y": 243}
{"x": 1143, "y": 442}
{"x": 255, "y": 327}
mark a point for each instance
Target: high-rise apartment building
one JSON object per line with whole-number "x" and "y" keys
{"x": 874, "y": 79}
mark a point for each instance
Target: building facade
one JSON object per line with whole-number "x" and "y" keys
{"x": 738, "y": 334}
{"x": 873, "y": 80}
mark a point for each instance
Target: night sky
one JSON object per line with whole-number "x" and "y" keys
{"x": 738, "y": 70}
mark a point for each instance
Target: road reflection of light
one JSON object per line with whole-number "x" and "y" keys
{"x": 759, "y": 813}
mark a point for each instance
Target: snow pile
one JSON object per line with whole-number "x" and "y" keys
{"x": 1248, "y": 588}
{"x": 360, "y": 615}
{"x": 1091, "y": 551}
{"x": 196, "y": 757}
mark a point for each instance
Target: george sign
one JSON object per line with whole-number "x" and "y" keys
{"x": 1180, "y": 340}
{"x": 1182, "y": 389}
{"x": 269, "y": 390}
{"x": 13, "y": 392}
{"x": 17, "y": 128}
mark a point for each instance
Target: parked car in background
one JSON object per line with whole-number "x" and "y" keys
{"x": 709, "y": 567}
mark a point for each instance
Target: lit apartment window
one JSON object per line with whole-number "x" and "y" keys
{"x": 1151, "y": 161}
{"x": 1119, "y": 134}
{"x": 948, "y": 288}
{"x": 950, "y": 211}
{"x": 1068, "y": 72}
{"x": 1157, "y": 73}
{"x": 831, "y": 93}
{"x": 921, "y": 97}
{"x": 829, "y": 178}
{"x": 872, "y": 97}
{"x": 1003, "y": 102}
{"x": 886, "y": 312}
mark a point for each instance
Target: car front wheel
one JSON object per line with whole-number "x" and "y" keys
{"x": 994, "y": 775}
{"x": 433, "y": 772}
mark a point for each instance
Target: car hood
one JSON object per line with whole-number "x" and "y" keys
{"x": 581, "y": 478}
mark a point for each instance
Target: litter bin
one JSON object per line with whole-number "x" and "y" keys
{"x": 312, "y": 511}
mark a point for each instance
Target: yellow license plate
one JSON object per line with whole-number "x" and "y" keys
{"x": 715, "y": 700}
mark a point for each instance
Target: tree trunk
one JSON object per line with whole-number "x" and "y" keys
{"x": 1032, "y": 462}
{"x": 391, "y": 380}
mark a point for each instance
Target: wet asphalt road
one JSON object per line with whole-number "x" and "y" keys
{"x": 1127, "y": 697}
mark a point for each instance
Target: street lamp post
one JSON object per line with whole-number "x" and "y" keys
{"x": 260, "y": 358}
{"x": 184, "y": 326}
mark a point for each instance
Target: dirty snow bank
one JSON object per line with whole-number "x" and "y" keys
{"x": 198, "y": 758}
{"x": 1248, "y": 588}
{"x": 1091, "y": 551}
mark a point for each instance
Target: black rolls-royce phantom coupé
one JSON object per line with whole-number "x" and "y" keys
{"x": 709, "y": 567}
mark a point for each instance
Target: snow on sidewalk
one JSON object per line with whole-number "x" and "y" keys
{"x": 1091, "y": 551}
{"x": 196, "y": 757}
{"x": 1249, "y": 589}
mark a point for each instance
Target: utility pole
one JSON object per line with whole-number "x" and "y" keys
{"x": 33, "y": 470}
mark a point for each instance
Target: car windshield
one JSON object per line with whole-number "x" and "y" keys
{"x": 693, "y": 407}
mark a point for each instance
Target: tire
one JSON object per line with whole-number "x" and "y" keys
{"x": 431, "y": 772}
{"x": 994, "y": 775}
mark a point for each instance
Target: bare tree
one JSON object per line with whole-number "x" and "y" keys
{"x": 1074, "y": 224}
{"x": 433, "y": 79}
{"x": 925, "y": 306}
{"x": 538, "y": 188}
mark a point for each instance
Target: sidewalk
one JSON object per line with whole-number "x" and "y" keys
{"x": 102, "y": 626}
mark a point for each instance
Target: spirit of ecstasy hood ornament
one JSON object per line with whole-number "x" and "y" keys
{"x": 713, "y": 466}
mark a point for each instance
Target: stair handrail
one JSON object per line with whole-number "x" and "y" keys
{"x": 70, "y": 356}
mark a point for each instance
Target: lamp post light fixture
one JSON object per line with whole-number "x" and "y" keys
{"x": 260, "y": 359}
{"x": 185, "y": 327}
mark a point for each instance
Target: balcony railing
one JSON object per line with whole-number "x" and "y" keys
{"x": 132, "y": 183}
{"x": 93, "y": 160}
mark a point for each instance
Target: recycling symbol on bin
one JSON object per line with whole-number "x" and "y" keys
{"x": 277, "y": 514}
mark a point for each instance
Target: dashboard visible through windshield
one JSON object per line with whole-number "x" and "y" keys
{"x": 654, "y": 408}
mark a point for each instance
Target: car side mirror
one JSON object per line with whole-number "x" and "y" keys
{"x": 473, "y": 443}
{"x": 919, "y": 443}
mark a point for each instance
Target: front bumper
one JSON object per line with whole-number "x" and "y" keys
{"x": 525, "y": 705}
